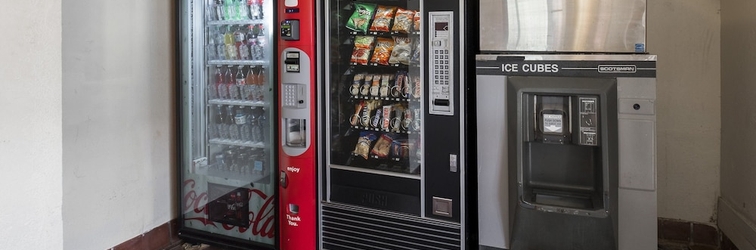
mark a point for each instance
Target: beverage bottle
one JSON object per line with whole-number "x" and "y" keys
{"x": 241, "y": 48}
{"x": 212, "y": 128}
{"x": 229, "y": 9}
{"x": 243, "y": 125}
{"x": 218, "y": 9}
{"x": 211, "y": 47}
{"x": 255, "y": 9}
{"x": 257, "y": 120}
{"x": 209, "y": 12}
{"x": 220, "y": 123}
{"x": 260, "y": 86}
{"x": 228, "y": 40}
{"x": 212, "y": 87}
{"x": 248, "y": 93}
{"x": 233, "y": 130}
{"x": 221, "y": 84}
{"x": 242, "y": 10}
{"x": 233, "y": 91}
{"x": 258, "y": 162}
{"x": 257, "y": 49}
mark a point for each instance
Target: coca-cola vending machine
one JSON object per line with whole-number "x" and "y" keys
{"x": 228, "y": 119}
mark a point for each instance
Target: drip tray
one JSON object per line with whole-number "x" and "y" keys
{"x": 562, "y": 199}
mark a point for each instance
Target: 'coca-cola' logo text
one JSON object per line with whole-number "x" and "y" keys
{"x": 261, "y": 221}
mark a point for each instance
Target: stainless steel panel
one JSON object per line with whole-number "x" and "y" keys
{"x": 573, "y": 57}
{"x": 563, "y": 25}
{"x": 493, "y": 180}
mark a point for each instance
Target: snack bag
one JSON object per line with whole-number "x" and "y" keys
{"x": 383, "y": 17}
{"x": 363, "y": 144}
{"x": 360, "y": 19}
{"x": 382, "y": 52}
{"x": 361, "y": 52}
{"x": 403, "y": 21}
{"x": 416, "y": 21}
{"x": 416, "y": 53}
{"x": 382, "y": 148}
{"x": 402, "y": 51}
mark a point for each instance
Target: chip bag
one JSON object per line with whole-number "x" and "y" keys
{"x": 383, "y": 17}
{"x": 360, "y": 19}
{"x": 382, "y": 52}
{"x": 361, "y": 52}
{"x": 402, "y": 51}
{"x": 403, "y": 20}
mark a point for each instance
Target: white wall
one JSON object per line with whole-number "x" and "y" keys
{"x": 118, "y": 125}
{"x": 30, "y": 127}
{"x": 686, "y": 36}
{"x": 739, "y": 121}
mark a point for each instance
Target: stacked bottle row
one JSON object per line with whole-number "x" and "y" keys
{"x": 236, "y": 42}
{"x": 240, "y": 160}
{"x": 238, "y": 83}
{"x": 230, "y": 10}
{"x": 238, "y": 124}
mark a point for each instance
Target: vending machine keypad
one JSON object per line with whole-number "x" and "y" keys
{"x": 441, "y": 63}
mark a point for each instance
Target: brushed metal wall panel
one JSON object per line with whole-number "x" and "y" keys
{"x": 615, "y": 26}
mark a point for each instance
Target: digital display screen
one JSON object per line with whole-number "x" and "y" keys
{"x": 442, "y": 26}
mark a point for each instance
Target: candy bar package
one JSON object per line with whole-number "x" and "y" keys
{"x": 402, "y": 51}
{"x": 375, "y": 122}
{"x": 386, "y": 123}
{"x": 375, "y": 85}
{"x": 354, "y": 90}
{"x": 403, "y": 21}
{"x": 385, "y": 81}
{"x": 361, "y": 52}
{"x": 417, "y": 87}
{"x": 355, "y": 120}
{"x": 400, "y": 148}
{"x": 396, "y": 120}
{"x": 363, "y": 144}
{"x": 365, "y": 88}
{"x": 382, "y": 148}
{"x": 382, "y": 52}
{"x": 396, "y": 89}
{"x": 383, "y": 17}
{"x": 360, "y": 19}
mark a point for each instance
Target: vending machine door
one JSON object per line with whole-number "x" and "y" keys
{"x": 227, "y": 168}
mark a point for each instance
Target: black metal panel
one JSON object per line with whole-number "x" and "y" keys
{"x": 519, "y": 66}
{"x": 376, "y": 191}
{"x": 347, "y": 227}
{"x": 442, "y": 133}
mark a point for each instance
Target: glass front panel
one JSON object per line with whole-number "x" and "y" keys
{"x": 228, "y": 186}
{"x": 375, "y": 96}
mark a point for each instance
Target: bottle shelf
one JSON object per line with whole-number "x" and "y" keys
{"x": 211, "y": 170}
{"x": 236, "y": 22}
{"x": 238, "y": 143}
{"x": 238, "y": 62}
{"x": 238, "y": 103}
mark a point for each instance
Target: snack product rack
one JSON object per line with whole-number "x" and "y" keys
{"x": 376, "y": 91}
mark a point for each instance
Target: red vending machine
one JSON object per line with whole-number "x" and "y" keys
{"x": 297, "y": 130}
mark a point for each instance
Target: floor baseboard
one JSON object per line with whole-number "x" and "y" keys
{"x": 162, "y": 237}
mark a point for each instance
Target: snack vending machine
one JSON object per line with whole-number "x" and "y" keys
{"x": 393, "y": 167}
{"x": 227, "y": 181}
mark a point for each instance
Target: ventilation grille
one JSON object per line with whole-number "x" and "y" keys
{"x": 350, "y": 227}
